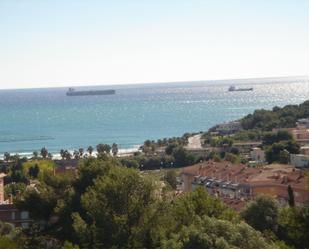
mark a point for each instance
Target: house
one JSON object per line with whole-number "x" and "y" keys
{"x": 239, "y": 182}
{"x": 229, "y": 127}
{"x": 304, "y": 150}
{"x": 299, "y": 160}
{"x": 257, "y": 155}
{"x": 303, "y": 123}
{"x": 10, "y": 214}
{"x": 8, "y": 211}
{"x": 246, "y": 147}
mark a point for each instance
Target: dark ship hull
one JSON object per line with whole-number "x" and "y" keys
{"x": 91, "y": 93}
{"x": 241, "y": 90}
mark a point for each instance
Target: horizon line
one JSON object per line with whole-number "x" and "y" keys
{"x": 158, "y": 82}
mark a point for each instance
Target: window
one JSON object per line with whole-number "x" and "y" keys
{"x": 24, "y": 215}
{"x": 25, "y": 225}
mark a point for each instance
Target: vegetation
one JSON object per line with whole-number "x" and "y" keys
{"x": 111, "y": 206}
{"x": 276, "y": 118}
{"x": 36, "y": 168}
{"x": 288, "y": 225}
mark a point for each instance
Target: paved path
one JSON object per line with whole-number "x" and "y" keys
{"x": 194, "y": 142}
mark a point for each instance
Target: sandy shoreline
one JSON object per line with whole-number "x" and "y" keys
{"x": 56, "y": 156}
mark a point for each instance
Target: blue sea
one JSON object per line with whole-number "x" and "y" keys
{"x": 34, "y": 118}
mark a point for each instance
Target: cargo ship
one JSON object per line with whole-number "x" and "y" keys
{"x": 73, "y": 92}
{"x": 234, "y": 89}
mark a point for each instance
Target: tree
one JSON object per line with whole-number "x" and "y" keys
{"x": 34, "y": 171}
{"x": 44, "y": 152}
{"x": 114, "y": 149}
{"x": 81, "y": 152}
{"x": 294, "y": 226}
{"x": 182, "y": 157}
{"x": 262, "y": 213}
{"x": 171, "y": 178}
{"x": 103, "y": 148}
{"x": 69, "y": 245}
{"x": 206, "y": 232}
{"x": 35, "y": 154}
{"x": 7, "y": 156}
{"x": 169, "y": 149}
{"x": 62, "y": 153}
{"x": 270, "y": 138}
{"x": 231, "y": 157}
{"x": 291, "y": 196}
{"x": 277, "y": 152}
{"x": 76, "y": 154}
{"x": 116, "y": 206}
{"x": 90, "y": 150}
{"x": 7, "y": 243}
{"x": 50, "y": 156}
{"x": 67, "y": 155}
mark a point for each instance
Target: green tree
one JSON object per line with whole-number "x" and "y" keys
{"x": 182, "y": 157}
{"x": 294, "y": 226}
{"x": 231, "y": 157}
{"x": 206, "y": 232}
{"x": 7, "y": 243}
{"x": 277, "y": 152}
{"x": 76, "y": 154}
{"x": 62, "y": 154}
{"x": 115, "y": 149}
{"x": 44, "y": 152}
{"x": 262, "y": 213}
{"x": 90, "y": 150}
{"x": 35, "y": 154}
{"x": 7, "y": 156}
{"x": 116, "y": 205}
{"x": 291, "y": 196}
{"x": 270, "y": 138}
{"x": 81, "y": 152}
{"x": 171, "y": 178}
{"x": 67, "y": 155}
{"x": 169, "y": 149}
{"x": 69, "y": 245}
{"x": 103, "y": 149}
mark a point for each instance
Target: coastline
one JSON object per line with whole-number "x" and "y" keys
{"x": 56, "y": 156}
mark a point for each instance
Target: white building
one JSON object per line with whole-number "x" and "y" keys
{"x": 257, "y": 155}
{"x": 229, "y": 128}
{"x": 303, "y": 123}
{"x": 299, "y": 160}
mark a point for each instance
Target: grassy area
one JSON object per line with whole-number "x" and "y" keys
{"x": 159, "y": 174}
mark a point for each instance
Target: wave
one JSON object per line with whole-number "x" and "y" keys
{"x": 23, "y": 139}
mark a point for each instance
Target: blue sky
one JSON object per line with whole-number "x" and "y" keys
{"x": 62, "y": 43}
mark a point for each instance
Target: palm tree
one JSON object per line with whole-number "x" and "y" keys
{"x": 7, "y": 156}
{"x": 90, "y": 150}
{"x": 76, "y": 154}
{"x": 114, "y": 149}
{"x": 50, "y": 156}
{"x": 62, "y": 154}
{"x": 67, "y": 155}
{"x": 103, "y": 148}
{"x": 81, "y": 152}
{"x": 44, "y": 152}
{"x": 35, "y": 154}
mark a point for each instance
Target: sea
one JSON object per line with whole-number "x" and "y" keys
{"x": 34, "y": 118}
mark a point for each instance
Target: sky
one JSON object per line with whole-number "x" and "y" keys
{"x": 51, "y": 43}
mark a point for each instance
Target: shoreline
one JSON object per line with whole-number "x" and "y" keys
{"x": 56, "y": 156}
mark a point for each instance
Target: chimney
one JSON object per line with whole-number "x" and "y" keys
{"x": 18, "y": 194}
{"x": 10, "y": 199}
